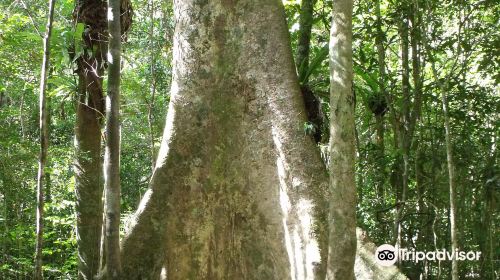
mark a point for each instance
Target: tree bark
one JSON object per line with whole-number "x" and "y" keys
{"x": 44, "y": 144}
{"x": 486, "y": 230}
{"x": 234, "y": 194}
{"x": 451, "y": 179}
{"x": 88, "y": 175}
{"x": 403, "y": 135}
{"x": 410, "y": 110}
{"x": 21, "y": 116}
{"x": 451, "y": 175}
{"x": 443, "y": 86}
{"x": 381, "y": 99}
{"x": 304, "y": 41}
{"x": 112, "y": 155}
{"x": 415, "y": 35}
{"x": 88, "y": 153}
{"x": 342, "y": 227}
{"x": 151, "y": 102}
{"x": 89, "y": 117}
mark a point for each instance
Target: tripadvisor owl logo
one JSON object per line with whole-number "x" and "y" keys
{"x": 386, "y": 255}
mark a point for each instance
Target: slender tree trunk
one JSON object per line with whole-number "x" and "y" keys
{"x": 361, "y": 160}
{"x": 410, "y": 111}
{"x": 451, "y": 171}
{"x": 487, "y": 235}
{"x": 380, "y": 47}
{"x": 415, "y": 35}
{"x": 8, "y": 208}
{"x": 304, "y": 41}
{"x": 381, "y": 99}
{"x": 404, "y": 138}
{"x": 112, "y": 156}
{"x": 430, "y": 203}
{"x": 21, "y": 115}
{"x": 315, "y": 116}
{"x": 151, "y": 103}
{"x": 451, "y": 179}
{"x": 44, "y": 143}
{"x": 102, "y": 247}
{"x": 380, "y": 155}
{"x": 88, "y": 152}
{"x": 88, "y": 178}
{"x": 342, "y": 227}
{"x": 90, "y": 112}
{"x": 422, "y": 240}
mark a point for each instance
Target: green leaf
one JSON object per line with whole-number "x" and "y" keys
{"x": 315, "y": 62}
{"x": 80, "y": 27}
{"x": 78, "y": 40}
{"x": 368, "y": 78}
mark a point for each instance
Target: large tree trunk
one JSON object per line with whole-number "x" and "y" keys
{"x": 237, "y": 180}
{"x": 342, "y": 229}
{"x": 112, "y": 157}
{"x": 44, "y": 144}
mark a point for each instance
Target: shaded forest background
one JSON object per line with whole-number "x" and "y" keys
{"x": 407, "y": 54}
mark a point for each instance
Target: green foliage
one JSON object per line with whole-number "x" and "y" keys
{"x": 20, "y": 60}
{"x": 309, "y": 128}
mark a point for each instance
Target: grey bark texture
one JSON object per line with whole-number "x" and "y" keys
{"x": 44, "y": 144}
{"x": 342, "y": 216}
{"x": 238, "y": 187}
{"x": 112, "y": 152}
